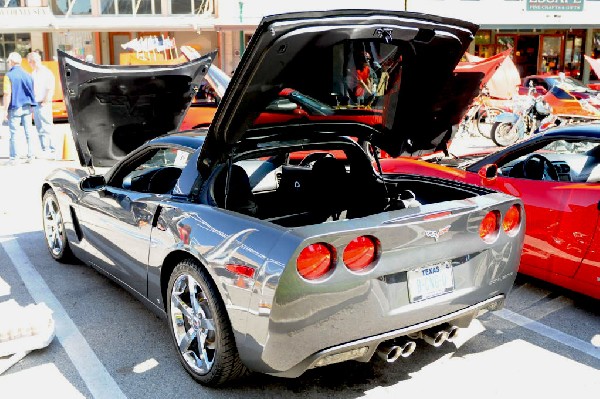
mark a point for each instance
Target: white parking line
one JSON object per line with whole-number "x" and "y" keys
{"x": 92, "y": 371}
{"x": 549, "y": 332}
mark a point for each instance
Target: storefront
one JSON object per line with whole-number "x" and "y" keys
{"x": 536, "y": 51}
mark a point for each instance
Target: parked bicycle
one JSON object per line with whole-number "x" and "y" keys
{"x": 480, "y": 116}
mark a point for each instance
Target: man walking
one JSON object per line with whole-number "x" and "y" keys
{"x": 43, "y": 89}
{"x": 18, "y": 101}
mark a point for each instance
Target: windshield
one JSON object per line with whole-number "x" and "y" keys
{"x": 568, "y": 84}
{"x": 357, "y": 81}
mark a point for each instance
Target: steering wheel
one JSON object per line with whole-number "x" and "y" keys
{"x": 538, "y": 167}
{"x": 314, "y": 156}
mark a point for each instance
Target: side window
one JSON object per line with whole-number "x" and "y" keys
{"x": 575, "y": 161}
{"x": 155, "y": 171}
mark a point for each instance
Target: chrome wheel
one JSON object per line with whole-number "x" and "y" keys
{"x": 200, "y": 326}
{"x": 54, "y": 228}
{"x": 192, "y": 324}
{"x": 504, "y": 134}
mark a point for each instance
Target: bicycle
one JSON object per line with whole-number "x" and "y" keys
{"x": 480, "y": 116}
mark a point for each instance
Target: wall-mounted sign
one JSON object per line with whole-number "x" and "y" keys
{"x": 24, "y": 11}
{"x": 554, "y": 5}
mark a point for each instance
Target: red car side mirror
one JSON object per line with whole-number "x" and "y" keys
{"x": 488, "y": 173}
{"x": 541, "y": 90}
{"x": 300, "y": 112}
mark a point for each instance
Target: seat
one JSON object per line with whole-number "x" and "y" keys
{"x": 163, "y": 180}
{"x": 328, "y": 189}
{"x": 240, "y": 197}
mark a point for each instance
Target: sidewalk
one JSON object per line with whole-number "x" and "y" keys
{"x": 58, "y": 135}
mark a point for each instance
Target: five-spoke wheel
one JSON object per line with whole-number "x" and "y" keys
{"x": 200, "y": 327}
{"x": 54, "y": 227}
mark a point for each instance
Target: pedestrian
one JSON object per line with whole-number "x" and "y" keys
{"x": 18, "y": 102}
{"x": 43, "y": 90}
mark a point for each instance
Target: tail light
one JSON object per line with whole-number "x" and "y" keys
{"x": 315, "y": 261}
{"x": 512, "y": 220}
{"x": 360, "y": 253}
{"x": 490, "y": 225}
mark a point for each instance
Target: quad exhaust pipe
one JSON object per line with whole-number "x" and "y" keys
{"x": 436, "y": 336}
{"x": 392, "y": 351}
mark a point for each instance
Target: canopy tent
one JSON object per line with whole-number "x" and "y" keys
{"x": 502, "y": 76}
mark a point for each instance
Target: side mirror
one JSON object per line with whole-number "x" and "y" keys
{"x": 300, "y": 112}
{"x": 541, "y": 90}
{"x": 92, "y": 183}
{"x": 488, "y": 173}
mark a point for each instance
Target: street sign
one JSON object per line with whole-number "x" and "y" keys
{"x": 554, "y": 5}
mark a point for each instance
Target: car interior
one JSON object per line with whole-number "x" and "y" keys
{"x": 567, "y": 161}
{"x": 323, "y": 184}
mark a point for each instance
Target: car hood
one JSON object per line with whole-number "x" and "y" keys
{"x": 114, "y": 109}
{"x": 324, "y": 54}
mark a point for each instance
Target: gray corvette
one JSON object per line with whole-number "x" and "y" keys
{"x": 281, "y": 247}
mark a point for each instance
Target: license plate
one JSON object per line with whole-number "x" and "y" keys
{"x": 429, "y": 281}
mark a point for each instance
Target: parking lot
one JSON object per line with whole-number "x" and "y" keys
{"x": 545, "y": 343}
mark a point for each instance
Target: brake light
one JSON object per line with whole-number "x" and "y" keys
{"x": 512, "y": 220}
{"x": 360, "y": 253}
{"x": 490, "y": 225}
{"x": 315, "y": 261}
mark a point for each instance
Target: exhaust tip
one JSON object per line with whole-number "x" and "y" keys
{"x": 452, "y": 332}
{"x": 436, "y": 339}
{"x": 407, "y": 348}
{"x": 389, "y": 353}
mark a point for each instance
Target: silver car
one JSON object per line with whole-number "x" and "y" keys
{"x": 280, "y": 246}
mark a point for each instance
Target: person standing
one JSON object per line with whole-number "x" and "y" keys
{"x": 43, "y": 89}
{"x": 18, "y": 102}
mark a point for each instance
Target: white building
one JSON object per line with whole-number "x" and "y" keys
{"x": 547, "y": 35}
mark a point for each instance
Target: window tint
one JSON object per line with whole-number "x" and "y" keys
{"x": 156, "y": 171}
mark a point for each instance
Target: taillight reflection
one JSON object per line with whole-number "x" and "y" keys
{"x": 361, "y": 253}
{"x": 315, "y": 261}
{"x": 490, "y": 225}
{"x": 512, "y": 220}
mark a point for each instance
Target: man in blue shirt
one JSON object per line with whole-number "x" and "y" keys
{"x": 18, "y": 101}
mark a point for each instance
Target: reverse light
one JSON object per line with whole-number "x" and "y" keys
{"x": 490, "y": 225}
{"x": 315, "y": 261}
{"x": 360, "y": 253}
{"x": 512, "y": 220}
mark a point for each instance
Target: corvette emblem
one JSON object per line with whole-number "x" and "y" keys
{"x": 436, "y": 234}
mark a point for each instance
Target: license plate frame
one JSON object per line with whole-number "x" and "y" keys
{"x": 430, "y": 281}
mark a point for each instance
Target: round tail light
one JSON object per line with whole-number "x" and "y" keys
{"x": 360, "y": 253}
{"x": 512, "y": 220}
{"x": 315, "y": 261}
{"x": 490, "y": 225}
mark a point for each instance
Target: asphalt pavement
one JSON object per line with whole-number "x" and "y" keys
{"x": 545, "y": 343}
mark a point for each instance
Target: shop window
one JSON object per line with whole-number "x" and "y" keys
{"x": 10, "y": 3}
{"x": 483, "y": 44}
{"x": 81, "y": 7}
{"x": 130, "y": 7}
{"x": 551, "y": 54}
{"x": 192, "y": 6}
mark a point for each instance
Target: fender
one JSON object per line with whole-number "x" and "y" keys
{"x": 507, "y": 117}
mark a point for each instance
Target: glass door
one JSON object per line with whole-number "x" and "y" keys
{"x": 551, "y": 54}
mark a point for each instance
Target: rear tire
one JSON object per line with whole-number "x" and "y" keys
{"x": 54, "y": 228}
{"x": 503, "y": 134}
{"x": 200, "y": 328}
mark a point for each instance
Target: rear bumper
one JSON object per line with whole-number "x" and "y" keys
{"x": 363, "y": 349}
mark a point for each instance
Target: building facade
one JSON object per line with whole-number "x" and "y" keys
{"x": 547, "y": 35}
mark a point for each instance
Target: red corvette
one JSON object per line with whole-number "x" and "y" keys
{"x": 557, "y": 175}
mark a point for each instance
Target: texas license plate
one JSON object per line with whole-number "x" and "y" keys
{"x": 429, "y": 281}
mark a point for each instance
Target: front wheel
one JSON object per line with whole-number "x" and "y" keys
{"x": 503, "y": 134}
{"x": 54, "y": 228}
{"x": 485, "y": 120}
{"x": 200, "y": 327}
